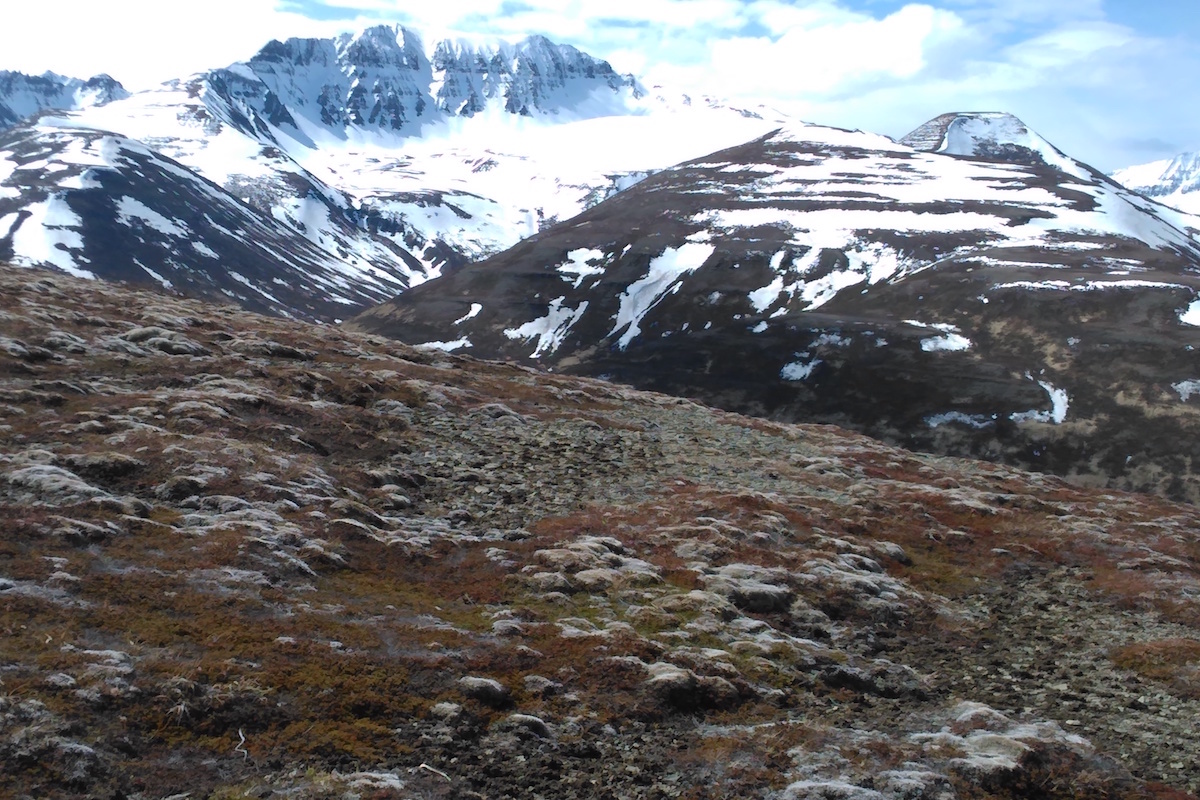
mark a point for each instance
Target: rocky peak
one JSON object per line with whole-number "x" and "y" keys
{"x": 23, "y": 95}
{"x": 993, "y": 136}
{"x": 383, "y": 46}
{"x": 384, "y": 79}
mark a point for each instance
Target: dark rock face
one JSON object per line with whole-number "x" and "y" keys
{"x": 118, "y": 210}
{"x": 1007, "y": 303}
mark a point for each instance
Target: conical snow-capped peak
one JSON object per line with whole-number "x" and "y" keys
{"x": 991, "y": 135}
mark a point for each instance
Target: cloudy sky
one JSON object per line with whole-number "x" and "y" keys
{"x": 1112, "y": 82}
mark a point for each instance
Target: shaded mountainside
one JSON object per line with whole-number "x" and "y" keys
{"x": 1006, "y": 303}
{"x": 245, "y": 556}
{"x": 115, "y": 209}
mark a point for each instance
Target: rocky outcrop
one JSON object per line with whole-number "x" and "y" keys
{"x": 385, "y": 79}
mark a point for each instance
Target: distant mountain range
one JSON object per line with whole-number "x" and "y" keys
{"x": 1174, "y": 182}
{"x": 23, "y": 96}
{"x": 325, "y": 175}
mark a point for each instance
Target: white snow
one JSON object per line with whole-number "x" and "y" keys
{"x": 7, "y": 168}
{"x": 763, "y": 298}
{"x": 1059, "y": 401}
{"x": 48, "y": 236}
{"x": 472, "y": 314}
{"x": 447, "y": 347}
{"x": 1087, "y": 286}
{"x": 663, "y": 276}
{"x": 1191, "y": 315}
{"x": 833, "y": 339}
{"x": 760, "y": 328}
{"x": 1186, "y": 389}
{"x": 130, "y": 210}
{"x": 977, "y": 421}
{"x": 949, "y": 342}
{"x": 579, "y": 265}
{"x": 799, "y": 370}
{"x": 550, "y": 330}
{"x": 967, "y": 133}
{"x": 204, "y": 250}
{"x": 163, "y": 281}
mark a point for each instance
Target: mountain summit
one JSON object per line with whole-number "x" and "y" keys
{"x": 989, "y": 135}
{"x": 386, "y": 82}
{"x": 1174, "y": 182}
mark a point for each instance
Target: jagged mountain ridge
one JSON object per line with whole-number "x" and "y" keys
{"x": 382, "y": 80}
{"x": 24, "y": 95}
{"x": 995, "y": 305}
{"x": 356, "y": 145}
{"x": 1174, "y": 182}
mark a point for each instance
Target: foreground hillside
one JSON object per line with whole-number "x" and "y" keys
{"x": 246, "y": 557}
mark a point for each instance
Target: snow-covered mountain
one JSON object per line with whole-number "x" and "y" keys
{"x": 983, "y": 294}
{"x": 392, "y": 159}
{"x": 23, "y": 95}
{"x": 1174, "y": 182}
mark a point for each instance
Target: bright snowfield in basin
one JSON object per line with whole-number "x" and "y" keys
{"x": 514, "y": 174}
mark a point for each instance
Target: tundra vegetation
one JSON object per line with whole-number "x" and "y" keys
{"x": 251, "y": 557}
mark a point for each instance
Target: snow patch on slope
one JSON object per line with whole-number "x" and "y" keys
{"x": 550, "y": 330}
{"x": 1059, "y": 403}
{"x": 130, "y": 211}
{"x": 662, "y": 277}
{"x": 1191, "y": 315}
{"x": 48, "y": 236}
{"x": 579, "y": 265}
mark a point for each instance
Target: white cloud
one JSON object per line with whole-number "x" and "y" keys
{"x": 141, "y": 42}
{"x": 825, "y": 55}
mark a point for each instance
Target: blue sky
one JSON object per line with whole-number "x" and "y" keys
{"x": 1109, "y": 81}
